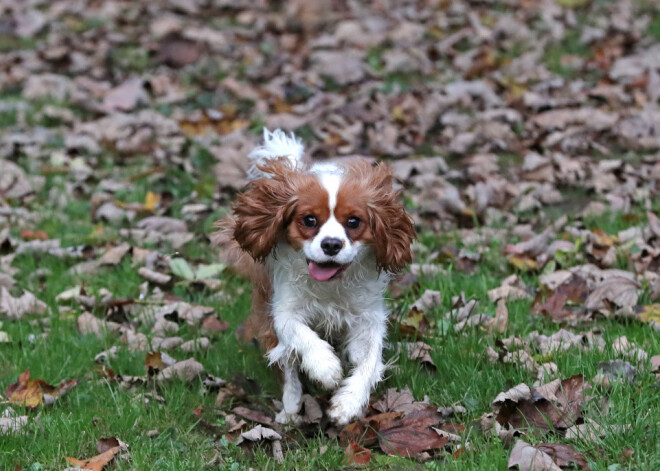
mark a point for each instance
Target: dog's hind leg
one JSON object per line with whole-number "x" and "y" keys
{"x": 292, "y": 396}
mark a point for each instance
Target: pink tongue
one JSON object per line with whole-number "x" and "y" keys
{"x": 320, "y": 273}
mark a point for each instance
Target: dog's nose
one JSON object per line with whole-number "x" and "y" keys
{"x": 331, "y": 245}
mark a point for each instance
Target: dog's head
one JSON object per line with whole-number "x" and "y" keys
{"x": 331, "y": 214}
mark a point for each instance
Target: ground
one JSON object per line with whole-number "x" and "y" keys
{"x": 524, "y": 137}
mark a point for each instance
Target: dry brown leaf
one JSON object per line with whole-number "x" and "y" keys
{"x": 399, "y": 401}
{"x": 419, "y": 351}
{"x": 186, "y": 371}
{"x": 500, "y": 322}
{"x": 430, "y": 299}
{"x": 357, "y": 455}
{"x": 176, "y": 51}
{"x": 114, "y": 255}
{"x": 154, "y": 276}
{"x": 213, "y": 324}
{"x": 198, "y": 344}
{"x": 617, "y": 291}
{"x": 17, "y": 308}
{"x": 557, "y": 404}
{"x": 11, "y": 423}
{"x": 126, "y": 96}
{"x": 155, "y": 362}
{"x": 32, "y": 393}
{"x": 412, "y": 434}
{"x": 257, "y": 434}
{"x": 565, "y": 456}
{"x": 528, "y": 458}
{"x": 365, "y": 431}
{"x": 253, "y": 415}
{"x": 98, "y": 462}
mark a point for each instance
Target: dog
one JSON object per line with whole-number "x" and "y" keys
{"x": 320, "y": 244}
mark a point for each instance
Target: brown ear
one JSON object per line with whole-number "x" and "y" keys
{"x": 264, "y": 209}
{"x": 392, "y": 228}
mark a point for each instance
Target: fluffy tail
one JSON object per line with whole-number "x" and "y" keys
{"x": 276, "y": 144}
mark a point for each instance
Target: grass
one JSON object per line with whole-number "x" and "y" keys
{"x": 54, "y": 350}
{"x": 98, "y": 408}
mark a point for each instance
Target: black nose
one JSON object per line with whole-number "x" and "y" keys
{"x": 331, "y": 245}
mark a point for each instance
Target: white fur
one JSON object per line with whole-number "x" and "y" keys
{"x": 312, "y": 318}
{"x": 330, "y": 177}
{"x": 276, "y": 144}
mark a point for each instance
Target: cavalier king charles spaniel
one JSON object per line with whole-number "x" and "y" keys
{"x": 320, "y": 244}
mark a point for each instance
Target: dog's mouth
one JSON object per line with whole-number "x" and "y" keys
{"x": 326, "y": 271}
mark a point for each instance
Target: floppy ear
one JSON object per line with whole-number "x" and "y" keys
{"x": 392, "y": 228}
{"x": 264, "y": 209}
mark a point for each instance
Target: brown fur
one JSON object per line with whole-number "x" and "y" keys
{"x": 268, "y": 205}
{"x": 272, "y": 208}
{"x": 367, "y": 193}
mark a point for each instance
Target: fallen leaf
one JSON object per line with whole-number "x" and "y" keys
{"x": 114, "y": 255}
{"x": 10, "y": 423}
{"x": 253, "y": 415}
{"x": 414, "y": 323}
{"x": 412, "y": 434}
{"x": 126, "y": 96}
{"x": 357, "y": 455}
{"x": 311, "y": 410}
{"x": 98, "y": 462}
{"x": 399, "y": 401}
{"x": 557, "y": 404}
{"x": 501, "y": 320}
{"x": 528, "y": 458}
{"x": 649, "y": 313}
{"x": 186, "y": 371}
{"x": 155, "y": 362}
{"x": 213, "y": 324}
{"x": 198, "y": 344}
{"x": 154, "y": 276}
{"x": 258, "y": 433}
{"x": 419, "y": 351}
{"x": 429, "y": 300}
{"x": 177, "y": 51}
{"x": 565, "y": 456}
{"x": 32, "y": 393}
{"x": 616, "y": 370}
{"x": 17, "y": 308}
{"x": 616, "y": 291}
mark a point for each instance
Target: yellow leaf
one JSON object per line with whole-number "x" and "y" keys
{"x": 150, "y": 201}
{"x": 414, "y": 323}
{"x": 605, "y": 239}
{"x": 524, "y": 263}
{"x": 650, "y": 313}
{"x": 398, "y": 113}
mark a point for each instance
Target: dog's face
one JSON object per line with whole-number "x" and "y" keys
{"x": 330, "y": 214}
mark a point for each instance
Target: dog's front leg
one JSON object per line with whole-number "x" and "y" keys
{"x": 365, "y": 351}
{"x": 316, "y": 357}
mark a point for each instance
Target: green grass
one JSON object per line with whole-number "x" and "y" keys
{"x": 569, "y": 45}
{"x": 98, "y": 408}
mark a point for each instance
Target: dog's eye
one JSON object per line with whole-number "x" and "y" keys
{"x": 353, "y": 222}
{"x": 309, "y": 221}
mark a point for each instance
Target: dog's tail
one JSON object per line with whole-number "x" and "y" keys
{"x": 276, "y": 144}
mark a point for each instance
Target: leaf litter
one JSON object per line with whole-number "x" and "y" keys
{"x": 483, "y": 126}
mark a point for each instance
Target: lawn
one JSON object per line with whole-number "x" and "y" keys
{"x": 523, "y": 136}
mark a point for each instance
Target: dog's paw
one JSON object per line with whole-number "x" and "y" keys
{"x": 344, "y": 408}
{"x": 288, "y": 419}
{"x": 324, "y": 367}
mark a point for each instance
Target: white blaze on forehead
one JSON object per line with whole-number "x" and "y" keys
{"x": 330, "y": 177}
